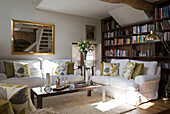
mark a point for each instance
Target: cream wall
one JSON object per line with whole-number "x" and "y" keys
{"x": 68, "y": 28}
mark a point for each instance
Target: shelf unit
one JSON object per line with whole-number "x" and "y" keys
{"x": 128, "y": 41}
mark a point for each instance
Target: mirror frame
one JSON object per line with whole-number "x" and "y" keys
{"x": 31, "y": 53}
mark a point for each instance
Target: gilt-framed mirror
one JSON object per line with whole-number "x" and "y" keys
{"x": 32, "y": 38}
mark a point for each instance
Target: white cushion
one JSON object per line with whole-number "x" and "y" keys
{"x": 3, "y": 76}
{"x": 101, "y": 79}
{"x": 149, "y": 66}
{"x": 122, "y": 83}
{"x": 122, "y": 63}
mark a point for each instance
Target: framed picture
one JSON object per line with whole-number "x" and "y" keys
{"x": 90, "y": 32}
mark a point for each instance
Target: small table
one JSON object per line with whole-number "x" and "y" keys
{"x": 40, "y": 93}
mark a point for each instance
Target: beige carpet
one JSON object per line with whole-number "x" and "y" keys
{"x": 80, "y": 103}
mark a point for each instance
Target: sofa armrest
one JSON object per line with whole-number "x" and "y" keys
{"x": 97, "y": 72}
{"x": 3, "y": 76}
{"x": 146, "y": 78}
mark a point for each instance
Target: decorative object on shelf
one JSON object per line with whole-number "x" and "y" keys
{"x": 48, "y": 83}
{"x": 90, "y": 32}
{"x": 167, "y": 90}
{"x": 85, "y": 47}
{"x": 154, "y": 37}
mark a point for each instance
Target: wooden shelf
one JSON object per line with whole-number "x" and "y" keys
{"x": 112, "y": 38}
{"x": 162, "y": 19}
{"x": 144, "y": 33}
{"x": 165, "y": 30}
{"x": 123, "y": 36}
{"x": 108, "y": 46}
{"x": 123, "y": 45}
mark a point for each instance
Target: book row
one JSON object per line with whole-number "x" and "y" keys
{"x": 165, "y": 24}
{"x": 143, "y": 28}
{"x": 122, "y": 41}
{"x": 109, "y": 25}
{"x": 109, "y": 35}
{"x": 108, "y": 52}
{"x": 166, "y": 36}
{"x": 147, "y": 53}
{"x": 108, "y": 43}
{"x": 120, "y": 53}
{"x": 162, "y": 12}
{"x": 166, "y": 65}
{"x": 138, "y": 39}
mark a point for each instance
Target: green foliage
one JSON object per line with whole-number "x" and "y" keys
{"x": 85, "y": 46}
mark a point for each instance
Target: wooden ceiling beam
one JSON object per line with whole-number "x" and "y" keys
{"x": 137, "y": 4}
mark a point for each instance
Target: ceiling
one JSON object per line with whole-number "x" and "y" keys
{"x": 87, "y": 8}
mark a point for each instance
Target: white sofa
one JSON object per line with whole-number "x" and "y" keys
{"x": 36, "y": 79}
{"x": 134, "y": 91}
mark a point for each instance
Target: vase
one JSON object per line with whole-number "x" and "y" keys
{"x": 84, "y": 57}
{"x": 48, "y": 82}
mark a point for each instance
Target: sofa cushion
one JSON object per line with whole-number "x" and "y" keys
{"x": 101, "y": 79}
{"x": 122, "y": 63}
{"x": 128, "y": 70}
{"x": 2, "y": 66}
{"x": 70, "y": 68}
{"x": 123, "y": 83}
{"x": 9, "y": 69}
{"x": 138, "y": 70}
{"x": 149, "y": 66}
{"x": 21, "y": 70}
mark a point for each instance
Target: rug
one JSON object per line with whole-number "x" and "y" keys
{"x": 80, "y": 103}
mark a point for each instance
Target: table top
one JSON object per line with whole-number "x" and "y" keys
{"x": 39, "y": 91}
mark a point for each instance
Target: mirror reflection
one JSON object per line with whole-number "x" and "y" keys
{"x": 32, "y": 38}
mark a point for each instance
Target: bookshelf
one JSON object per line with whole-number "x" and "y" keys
{"x": 128, "y": 42}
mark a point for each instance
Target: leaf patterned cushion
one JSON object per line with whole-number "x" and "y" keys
{"x": 19, "y": 97}
{"x": 61, "y": 68}
{"x": 21, "y": 70}
{"x": 114, "y": 69}
{"x": 128, "y": 70}
{"x": 110, "y": 69}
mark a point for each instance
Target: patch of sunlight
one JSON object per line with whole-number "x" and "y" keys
{"x": 146, "y": 105}
{"x": 106, "y": 106}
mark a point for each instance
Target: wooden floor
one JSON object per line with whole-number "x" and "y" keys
{"x": 152, "y": 107}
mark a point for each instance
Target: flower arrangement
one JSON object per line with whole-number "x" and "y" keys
{"x": 84, "y": 47}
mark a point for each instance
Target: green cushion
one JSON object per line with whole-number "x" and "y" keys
{"x": 5, "y": 107}
{"x": 70, "y": 68}
{"x": 138, "y": 70}
{"x": 9, "y": 69}
{"x": 101, "y": 68}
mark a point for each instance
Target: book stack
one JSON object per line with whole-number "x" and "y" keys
{"x": 162, "y": 12}
{"x": 120, "y": 53}
{"x": 151, "y": 27}
{"x": 165, "y": 24}
{"x": 122, "y": 41}
{"x": 136, "y": 29}
{"x": 108, "y": 43}
{"x": 118, "y": 33}
{"x": 108, "y": 52}
{"x": 144, "y": 28}
{"x": 166, "y": 36}
{"x": 109, "y": 25}
{"x": 109, "y": 35}
{"x": 166, "y": 65}
{"x": 138, "y": 39}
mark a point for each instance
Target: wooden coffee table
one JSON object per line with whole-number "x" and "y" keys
{"x": 40, "y": 93}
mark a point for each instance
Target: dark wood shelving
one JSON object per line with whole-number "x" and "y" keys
{"x": 154, "y": 48}
{"x": 162, "y": 19}
{"x": 123, "y": 45}
{"x": 144, "y": 33}
{"x": 112, "y": 38}
{"x": 122, "y": 36}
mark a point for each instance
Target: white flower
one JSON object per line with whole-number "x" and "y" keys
{"x": 83, "y": 45}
